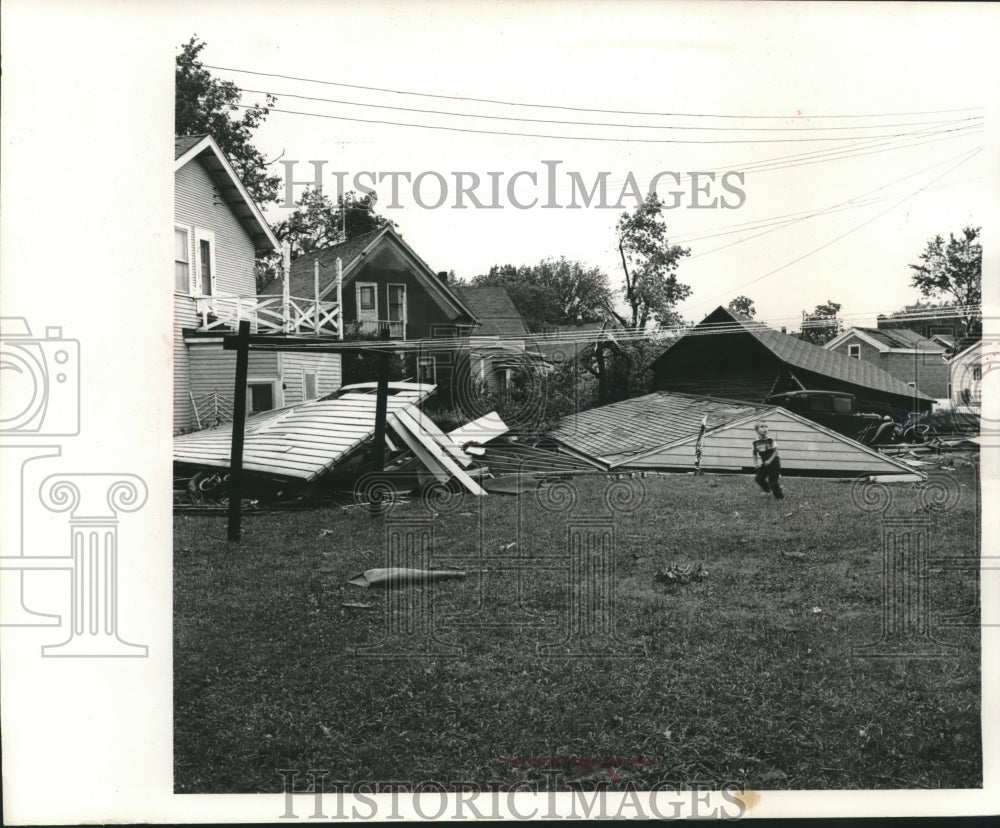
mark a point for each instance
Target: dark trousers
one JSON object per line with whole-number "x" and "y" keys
{"x": 768, "y": 478}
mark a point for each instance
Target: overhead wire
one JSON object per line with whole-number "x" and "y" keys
{"x": 471, "y": 99}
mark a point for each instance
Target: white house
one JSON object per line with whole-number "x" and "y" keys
{"x": 967, "y": 370}
{"x": 218, "y": 231}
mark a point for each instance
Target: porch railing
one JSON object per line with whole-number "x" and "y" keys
{"x": 267, "y": 315}
{"x": 378, "y": 328}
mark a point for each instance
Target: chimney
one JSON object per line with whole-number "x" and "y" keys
{"x": 443, "y": 277}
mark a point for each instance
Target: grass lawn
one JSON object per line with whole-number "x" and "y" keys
{"x": 746, "y": 677}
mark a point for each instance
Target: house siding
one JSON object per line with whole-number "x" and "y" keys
{"x": 197, "y": 206}
{"x": 869, "y": 353}
{"x": 424, "y": 316}
{"x": 928, "y": 371}
{"x": 292, "y": 366}
{"x": 213, "y": 371}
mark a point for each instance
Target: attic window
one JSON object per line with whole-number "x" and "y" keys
{"x": 854, "y": 351}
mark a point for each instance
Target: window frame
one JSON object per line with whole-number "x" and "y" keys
{"x": 276, "y": 396}
{"x": 200, "y": 236}
{"x": 359, "y": 287}
{"x": 854, "y": 350}
{"x": 186, "y": 290}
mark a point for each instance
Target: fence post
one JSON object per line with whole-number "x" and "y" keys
{"x": 239, "y": 426}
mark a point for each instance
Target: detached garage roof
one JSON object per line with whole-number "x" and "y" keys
{"x": 613, "y": 433}
{"x": 660, "y": 432}
{"x": 798, "y": 353}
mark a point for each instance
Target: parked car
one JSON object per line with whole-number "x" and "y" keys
{"x": 838, "y": 410}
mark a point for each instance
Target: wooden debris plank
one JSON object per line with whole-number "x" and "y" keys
{"x": 423, "y": 455}
{"x": 413, "y": 427}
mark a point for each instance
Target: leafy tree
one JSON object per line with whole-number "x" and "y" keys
{"x": 204, "y": 104}
{"x": 822, "y": 324}
{"x": 743, "y": 305}
{"x": 554, "y": 291}
{"x": 318, "y": 222}
{"x": 649, "y": 263}
{"x": 953, "y": 269}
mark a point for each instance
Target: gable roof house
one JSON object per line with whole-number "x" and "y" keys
{"x": 902, "y": 352}
{"x": 387, "y": 291}
{"x": 497, "y": 342}
{"x": 730, "y": 356}
{"x": 218, "y": 232}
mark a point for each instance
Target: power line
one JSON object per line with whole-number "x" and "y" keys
{"x": 451, "y": 113}
{"x": 381, "y": 122}
{"x": 575, "y": 108}
{"x": 794, "y": 218}
{"x": 849, "y": 232}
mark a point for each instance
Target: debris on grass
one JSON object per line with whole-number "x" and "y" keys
{"x": 401, "y": 576}
{"x": 800, "y": 556}
{"x": 681, "y": 574}
{"x": 350, "y": 605}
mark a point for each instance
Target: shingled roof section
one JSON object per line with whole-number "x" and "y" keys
{"x": 182, "y": 143}
{"x": 900, "y": 338}
{"x": 494, "y": 309}
{"x": 798, "y": 353}
{"x": 301, "y": 280}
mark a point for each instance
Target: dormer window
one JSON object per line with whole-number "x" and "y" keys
{"x": 854, "y": 351}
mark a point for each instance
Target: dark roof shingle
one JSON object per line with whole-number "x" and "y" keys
{"x": 493, "y": 307}
{"x": 182, "y": 143}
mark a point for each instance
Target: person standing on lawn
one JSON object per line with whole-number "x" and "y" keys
{"x": 767, "y": 462}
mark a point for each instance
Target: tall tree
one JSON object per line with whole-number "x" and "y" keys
{"x": 319, "y": 223}
{"x": 743, "y": 305}
{"x": 649, "y": 262}
{"x": 204, "y": 104}
{"x": 822, "y": 325}
{"x": 953, "y": 270}
{"x": 554, "y": 291}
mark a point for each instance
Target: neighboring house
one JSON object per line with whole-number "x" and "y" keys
{"x": 730, "y": 356}
{"x": 967, "y": 370}
{"x": 923, "y": 323}
{"x": 218, "y": 231}
{"x": 388, "y": 291}
{"x": 904, "y": 353}
{"x": 497, "y": 342}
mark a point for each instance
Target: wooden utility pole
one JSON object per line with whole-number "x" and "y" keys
{"x": 239, "y": 427}
{"x": 381, "y": 406}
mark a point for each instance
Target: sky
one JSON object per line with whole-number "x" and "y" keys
{"x": 895, "y": 94}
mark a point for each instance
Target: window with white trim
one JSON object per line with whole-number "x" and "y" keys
{"x": 854, "y": 350}
{"x": 260, "y": 396}
{"x": 182, "y": 261}
{"x": 203, "y": 283}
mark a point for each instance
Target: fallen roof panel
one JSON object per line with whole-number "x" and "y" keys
{"x": 302, "y": 441}
{"x": 669, "y": 437}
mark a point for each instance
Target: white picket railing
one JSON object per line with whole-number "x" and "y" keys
{"x": 266, "y": 314}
